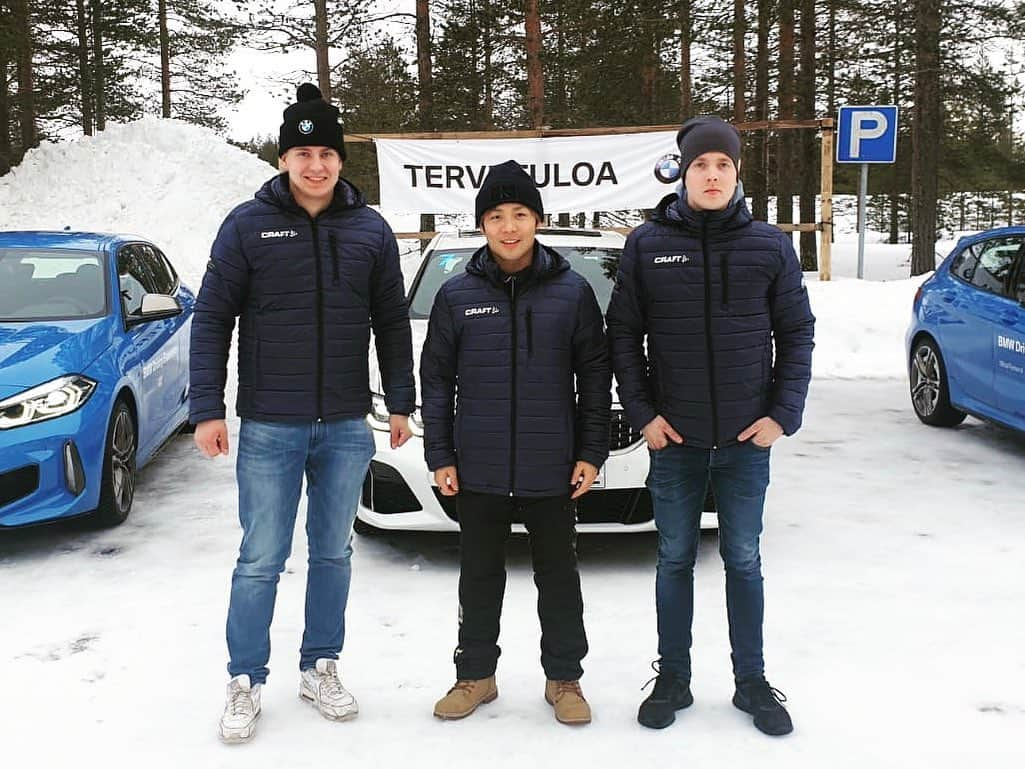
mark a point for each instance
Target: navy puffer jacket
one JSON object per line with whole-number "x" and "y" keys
{"x": 307, "y": 293}
{"x": 497, "y": 373}
{"x": 716, "y": 294}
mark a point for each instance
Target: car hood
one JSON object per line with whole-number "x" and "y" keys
{"x": 34, "y": 353}
{"x": 419, "y": 328}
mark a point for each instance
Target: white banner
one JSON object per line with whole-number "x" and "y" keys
{"x": 578, "y": 173}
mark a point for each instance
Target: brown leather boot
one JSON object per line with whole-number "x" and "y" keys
{"x": 464, "y": 698}
{"x": 568, "y": 701}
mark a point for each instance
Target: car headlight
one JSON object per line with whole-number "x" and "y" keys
{"x": 47, "y": 401}
{"x": 378, "y": 418}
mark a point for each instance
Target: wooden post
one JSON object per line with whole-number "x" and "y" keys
{"x": 826, "y": 239}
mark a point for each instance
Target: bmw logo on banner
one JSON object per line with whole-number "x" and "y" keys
{"x": 305, "y": 127}
{"x": 667, "y": 169}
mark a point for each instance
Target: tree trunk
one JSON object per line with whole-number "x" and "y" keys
{"x": 809, "y": 155}
{"x": 5, "y": 116}
{"x": 686, "y": 32}
{"x": 165, "y": 60}
{"x": 535, "y": 77}
{"x": 759, "y": 157}
{"x": 85, "y": 79}
{"x": 99, "y": 84}
{"x": 785, "y": 156}
{"x": 26, "y": 100}
{"x": 321, "y": 47}
{"x": 926, "y": 134}
{"x": 424, "y": 64}
{"x": 489, "y": 82}
{"x": 739, "y": 66}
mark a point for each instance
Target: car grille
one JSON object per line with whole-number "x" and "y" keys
{"x": 621, "y": 435}
{"x": 18, "y": 484}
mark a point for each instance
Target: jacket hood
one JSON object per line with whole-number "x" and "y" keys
{"x": 673, "y": 209}
{"x": 34, "y": 353}
{"x": 546, "y": 263}
{"x": 276, "y": 192}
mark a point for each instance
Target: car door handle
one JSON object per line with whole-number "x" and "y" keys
{"x": 1009, "y": 318}
{"x": 948, "y": 296}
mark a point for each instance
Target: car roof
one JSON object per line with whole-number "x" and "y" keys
{"x": 549, "y": 236}
{"x": 82, "y": 241}
{"x": 967, "y": 240}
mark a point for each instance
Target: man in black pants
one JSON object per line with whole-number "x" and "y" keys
{"x": 507, "y": 339}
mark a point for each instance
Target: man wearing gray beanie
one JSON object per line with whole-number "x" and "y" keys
{"x": 711, "y": 335}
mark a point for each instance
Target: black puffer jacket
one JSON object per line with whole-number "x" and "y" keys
{"x": 497, "y": 373}
{"x": 729, "y": 329}
{"x": 308, "y": 291}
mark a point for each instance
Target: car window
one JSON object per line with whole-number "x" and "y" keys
{"x": 964, "y": 264}
{"x": 597, "y": 265}
{"x": 51, "y": 284}
{"x": 1018, "y": 288}
{"x": 135, "y": 276}
{"x": 996, "y": 258}
{"x": 161, "y": 270}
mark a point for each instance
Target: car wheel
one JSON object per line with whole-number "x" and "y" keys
{"x": 117, "y": 488}
{"x": 930, "y": 391}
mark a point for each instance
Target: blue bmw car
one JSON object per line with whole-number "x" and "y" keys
{"x": 966, "y": 342}
{"x": 94, "y": 371}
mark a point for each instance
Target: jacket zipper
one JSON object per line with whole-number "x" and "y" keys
{"x": 708, "y": 333}
{"x": 334, "y": 257}
{"x": 320, "y": 323}
{"x": 512, "y": 432}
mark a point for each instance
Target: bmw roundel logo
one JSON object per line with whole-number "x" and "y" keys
{"x": 667, "y": 169}
{"x": 305, "y": 126}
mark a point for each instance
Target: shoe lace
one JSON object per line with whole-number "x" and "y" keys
{"x": 330, "y": 684}
{"x": 663, "y": 681}
{"x": 766, "y": 696}
{"x": 462, "y": 685}
{"x": 240, "y": 702}
{"x": 564, "y": 687}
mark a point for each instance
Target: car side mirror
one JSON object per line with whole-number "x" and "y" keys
{"x": 155, "y": 307}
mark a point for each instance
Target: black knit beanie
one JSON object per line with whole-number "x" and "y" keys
{"x": 507, "y": 183}
{"x": 707, "y": 133}
{"x": 311, "y": 122}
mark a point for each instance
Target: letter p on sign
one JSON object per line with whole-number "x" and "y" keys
{"x": 865, "y": 124}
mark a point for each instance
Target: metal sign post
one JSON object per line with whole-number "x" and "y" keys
{"x": 866, "y": 134}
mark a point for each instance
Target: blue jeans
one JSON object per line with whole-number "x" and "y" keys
{"x": 677, "y": 480}
{"x": 273, "y": 457}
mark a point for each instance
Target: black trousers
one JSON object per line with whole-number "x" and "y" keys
{"x": 484, "y": 522}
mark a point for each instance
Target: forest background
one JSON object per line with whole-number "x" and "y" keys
{"x": 954, "y": 68}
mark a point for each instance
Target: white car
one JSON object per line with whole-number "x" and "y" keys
{"x": 399, "y": 491}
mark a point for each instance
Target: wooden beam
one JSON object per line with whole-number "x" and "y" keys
{"x": 759, "y": 125}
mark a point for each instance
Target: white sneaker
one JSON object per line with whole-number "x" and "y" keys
{"x": 238, "y": 724}
{"x": 321, "y": 686}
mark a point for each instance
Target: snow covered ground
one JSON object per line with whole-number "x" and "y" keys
{"x": 893, "y": 557}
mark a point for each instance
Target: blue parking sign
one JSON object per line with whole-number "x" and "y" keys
{"x": 867, "y": 134}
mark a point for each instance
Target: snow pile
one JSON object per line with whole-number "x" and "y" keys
{"x": 167, "y": 180}
{"x": 174, "y": 182}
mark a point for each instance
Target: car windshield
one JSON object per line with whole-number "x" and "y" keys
{"x": 50, "y": 284}
{"x": 597, "y": 265}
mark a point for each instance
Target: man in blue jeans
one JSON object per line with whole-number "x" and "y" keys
{"x": 729, "y": 333}
{"x": 309, "y": 270}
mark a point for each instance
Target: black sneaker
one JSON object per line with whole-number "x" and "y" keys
{"x": 670, "y": 694}
{"x": 765, "y": 703}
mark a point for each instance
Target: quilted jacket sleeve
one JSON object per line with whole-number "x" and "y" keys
{"x": 390, "y": 320}
{"x": 594, "y": 381}
{"x": 793, "y": 329}
{"x": 438, "y": 385}
{"x": 220, "y": 300}
{"x": 626, "y": 322}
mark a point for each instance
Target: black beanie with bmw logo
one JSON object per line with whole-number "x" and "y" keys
{"x": 311, "y": 122}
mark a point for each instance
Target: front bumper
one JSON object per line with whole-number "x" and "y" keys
{"x": 399, "y": 493}
{"x": 53, "y": 469}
